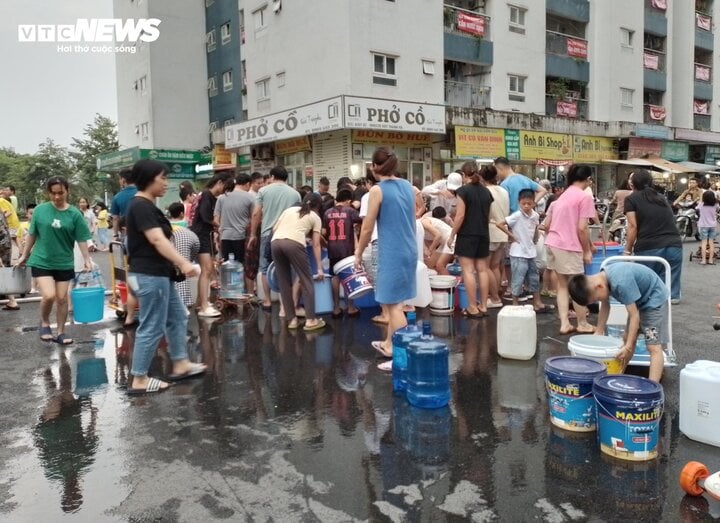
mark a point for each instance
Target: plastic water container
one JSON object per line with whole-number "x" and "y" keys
{"x": 700, "y": 401}
{"x": 629, "y": 409}
{"x": 323, "y": 295}
{"x": 610, "y": 249}
{"x": 462, "y": 296}
{"x": 400, "y": 340}
{"x": 617, "y": 314}
{"x": 423, "y": 292}
{"x": 599, "y": 348}
{"x": 88, "y": 304}
{"x": 517, "y": 332}
{"x": 232, "y": 279}
{"x": 428, "y": 379}
{"x": 569, "y": 385}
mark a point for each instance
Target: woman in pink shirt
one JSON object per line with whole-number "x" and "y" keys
{"x": 568, "y": 242}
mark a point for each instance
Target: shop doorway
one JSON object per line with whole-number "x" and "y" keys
{"x": 417, "y": 174}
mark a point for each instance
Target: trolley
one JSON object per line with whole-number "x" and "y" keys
{"x": 642, "y": 359}
{"x": 118, "y": 279}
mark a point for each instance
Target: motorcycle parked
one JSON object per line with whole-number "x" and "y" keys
{"x": 686, "y": 220}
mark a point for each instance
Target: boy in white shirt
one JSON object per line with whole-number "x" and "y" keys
{"x": 522, "y": 229}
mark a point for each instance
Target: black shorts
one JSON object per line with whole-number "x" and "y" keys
{"x": 206, "y": 243}
{"x": 236, "y": 247}
{"x": 333, "y": 261}
{"x": 474, "y": 247}
{"x": 55, "y": 274}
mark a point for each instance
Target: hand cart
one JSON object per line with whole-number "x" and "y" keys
{"x": 118, "y": 279}
{"x": 641, "y": 358}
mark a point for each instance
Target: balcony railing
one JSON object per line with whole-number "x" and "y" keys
{"x": 566, "y": 45}
{"x": 703, "y": 21}
{"x": 701, "y": 122}
{"x": 461, "y": 94}
{"x": 466, "y": 22}
{"x": 703, "y": 73}
{"x": 566, "y": 108}
{"x": 654, "y": 114}
{"x": 654, "y": 60}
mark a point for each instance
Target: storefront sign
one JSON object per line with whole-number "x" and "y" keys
{"x": 472, "y": 24}
{"x": 697, "y": 136}
{"x": 701, "y": 107}
{"x": 170, "y": 156}
{"x": 659, "y": 4}
{"x": 702, "y": 73}
{"x": 651, "y": 61}
{"x": 512, "y": 144}
{"x": 653, "y": 131}
{"x": 675, "y": 151}
{"x": 222, "y": 156}
{"x": 117, "y": 160}
{"x": 392, "y": 138}
{"x": 479, "y": 142}
{"x": 703, "y": 22}
{"x": 590, "y": 149}
{"x": 549, "y": 146}
{"x": 657, "y": 112}
{"x": 576, "y": 48}
{"x": 294, "y": 145}
{"x": 301, "y": 121}
{"x": 391, "y": 115}
{"x": 568, "y": 109}
{"x": 639, "y": 147}
{"x": 712, "y": 154}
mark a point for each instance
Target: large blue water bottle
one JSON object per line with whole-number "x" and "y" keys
{"x": 428, "y": 381}
{"x": 400, "y": 341}
{"x": 232, "y": 279}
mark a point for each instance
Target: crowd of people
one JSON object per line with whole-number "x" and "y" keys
{"x": 514, "y": 239}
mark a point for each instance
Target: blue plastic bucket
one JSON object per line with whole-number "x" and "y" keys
{"x": 629, "y": 409}
{"x": 366, "y": 301}
{"x": 463, "y": 298}
{"x": 323, "y": 295}
{"x": 611, "y": 249}
{"x": 355, "y": 283}
{"x": 88, "y": 304}
{"x": 272, "y": 278}
{"x": 569, "y": 382}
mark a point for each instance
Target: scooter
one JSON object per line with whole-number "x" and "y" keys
{"x": 686, "y": 220}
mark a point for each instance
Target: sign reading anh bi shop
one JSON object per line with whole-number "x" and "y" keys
{"x": 391, "y": 115}
{"x": 301, "y": 121}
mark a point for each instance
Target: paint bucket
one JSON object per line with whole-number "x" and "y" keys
{"x": 599, "y": 348}
{"x": 355, "y": 282}
{"x": 88, "y": 304}
{"x": 443, "y": 295}
{"x": 569, "y": 383}
{"x": 629, "y": 409}
{"x": 323, "y": 295}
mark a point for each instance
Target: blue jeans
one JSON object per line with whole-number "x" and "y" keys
{"x": 161, "y": 313}
{"x": 524, "y": 270}
{"x": 674, "y": 256}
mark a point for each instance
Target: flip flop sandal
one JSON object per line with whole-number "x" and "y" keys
{"x": 61, "y": 339}
{"x": 319, "y": 325}
{"x": 8, "y": 308}
{"x": 377, "y": 345}
{"x": 195, "y": 370}
{"x": 154, "y": 385}
{"x": 46, "y": 331}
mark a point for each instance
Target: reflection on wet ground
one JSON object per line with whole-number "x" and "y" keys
{"x": 293, "y": 425}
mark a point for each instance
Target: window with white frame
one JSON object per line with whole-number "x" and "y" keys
{"x": 626, "y": 37}
{"x": 210, "y": 42}
{"x": 280, "y": 77}
{"x": 516, "y": 87}
{"x": 626, "y": 97}
{"x": 384, "y": 69}
{"x": 262, "y": 88}
{"x": 517, "y": 19}
{"x": 225, "y": 36}
{"x": 227, "y": 81}
{"x": 212, "y": 86}
{"x": 142, "y": 84}
{"x": 145, "y": 130}
{"x": 260, "y": 19}
{"x": 428, "y": 67}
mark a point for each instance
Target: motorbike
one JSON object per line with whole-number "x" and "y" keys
{"x": 686, "y": 220}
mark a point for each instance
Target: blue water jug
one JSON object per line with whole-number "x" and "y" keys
{"x": 428, "y": 381}
{"x": 232, "y": 279}
{"x": 400, "y": 341}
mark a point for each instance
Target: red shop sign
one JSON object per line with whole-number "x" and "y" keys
{"x": 468, "y": 23}
{"x": 576, "y": 48}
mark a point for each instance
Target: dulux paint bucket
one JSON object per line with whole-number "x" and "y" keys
{"x": 629, "y": 409}
{"x": 569, "y": 383}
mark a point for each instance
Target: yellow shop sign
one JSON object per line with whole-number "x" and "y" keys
{"x": 590, "y": 149}
{"x": 545, "y": 146}
{"x": 479, "y": 142}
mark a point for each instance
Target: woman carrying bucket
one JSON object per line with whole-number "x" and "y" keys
{"x": 55, "y": 227}
{"x": 392, "y": 205}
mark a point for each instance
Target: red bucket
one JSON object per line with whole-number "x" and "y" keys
{"x": 121, "y": 288}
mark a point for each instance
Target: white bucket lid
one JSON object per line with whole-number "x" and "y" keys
{"x": 592, "y": 346}
{"x": 442, "y": 282}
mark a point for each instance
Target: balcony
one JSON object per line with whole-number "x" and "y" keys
{"x": 703, "y": 31}
{"x": 701, "y": 122}
{"x": 654, "y": 114}
{"x": 466, "y": 37}
{"x": 578, "y": 10}
{"x": 566, "y": 57}
{"x": 461, "y": 94}
{"x": 654, "y": 76}
{"x": 566, "y": 108}
{"x": 655, "y": 18}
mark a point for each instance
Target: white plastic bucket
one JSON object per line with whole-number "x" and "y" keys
{"x": 599, "y": 348}
{"x": 423, "y": 292}
{"x": 443, "y": 295}
{"x": 355, "y": 282}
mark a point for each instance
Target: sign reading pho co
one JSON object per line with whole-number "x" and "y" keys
{"x": 375, "y": 113}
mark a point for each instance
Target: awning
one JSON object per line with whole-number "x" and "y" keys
{"x": 701, "y": 167}
{"x": 657, "y": 163}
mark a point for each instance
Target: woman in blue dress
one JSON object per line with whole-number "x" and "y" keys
{"x": 392, "y": 206}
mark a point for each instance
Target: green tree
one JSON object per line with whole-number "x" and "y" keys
{"x": 14, "y": 169}
{"x": 99, "y": 137}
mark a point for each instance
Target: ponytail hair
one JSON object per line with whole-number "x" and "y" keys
{"x": 384, "y": 162}
{"x": 311, "y": 202}
{"x": 470, "y": 170}
{"x": 642, "y": 182}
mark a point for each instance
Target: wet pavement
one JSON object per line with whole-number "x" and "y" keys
{"x": 303, "y": 427}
